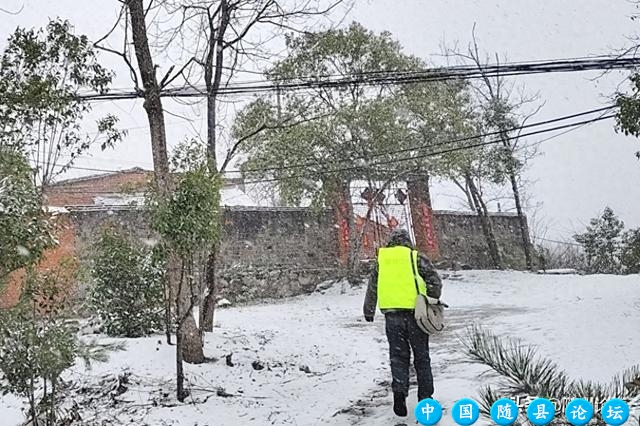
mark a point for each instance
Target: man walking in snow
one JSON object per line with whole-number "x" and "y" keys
{"x": 392, "y": 288}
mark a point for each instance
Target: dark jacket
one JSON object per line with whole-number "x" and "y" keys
{"x": 425, "y": 268}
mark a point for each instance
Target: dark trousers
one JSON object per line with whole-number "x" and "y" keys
{"x": 404, "y": 335}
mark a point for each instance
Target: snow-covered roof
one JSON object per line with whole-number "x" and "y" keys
{"x": 236, "y": 197}
{"x": 230, "y": 196}
{"x": 56, "y": 210}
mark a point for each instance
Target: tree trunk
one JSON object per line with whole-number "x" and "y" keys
{"x": 32, "y": 400}
{"x": 354, "y": 256}
{"x": 164, "y": 182}
{"x": 465, "y": 188}
{"x": 422, "y": 216}
{"x": 522, "y": 219}
{"x": 44, "y": 397}
{"x": 192, "y": 349}
{"x": 524, "y": 229}
{"x": 152, "y": 100}
{"x": 192, "y": 344}
{"x": 168, "y": 297}
{"x": 207, "y": 310}
{"x": 52, "y": 404}
{"x": 213, "y": 78}
{"x": 485, "y": 221}
{"x": 181, "y": 394}
{"x": 212, "y": 122}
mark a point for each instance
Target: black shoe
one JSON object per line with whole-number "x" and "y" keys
{"x": 400, "y": 404}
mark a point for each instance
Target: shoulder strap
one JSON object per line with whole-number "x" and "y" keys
{"x": 413, "y": 268}
{"x": 415, "y": 280}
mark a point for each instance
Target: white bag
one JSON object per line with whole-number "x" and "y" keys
{"x": 429, "y": 312}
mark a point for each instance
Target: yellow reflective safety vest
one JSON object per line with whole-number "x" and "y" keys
{"x": 396, "y": 278}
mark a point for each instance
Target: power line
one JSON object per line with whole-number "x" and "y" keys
{"x": 394, "y": 72}
{"x": 560, "y": 134}
{"x": 435, "y": 153}
{"x": 377, "y": 78}
{"x": 567, "y": 243}
{"x": 570, "y": 126}
{"x": 90, "y": 169}
{"x": 447, "y": 142}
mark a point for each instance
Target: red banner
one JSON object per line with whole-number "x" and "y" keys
{"x": 429, "y": 231}
{"x": 343, "y": 232}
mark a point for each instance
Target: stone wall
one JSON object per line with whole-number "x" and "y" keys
{"x": 271, "y": 253}
{"x": 265, "y": 253}
{"x": 461, "y": 240}
{"x": 279, "y": 237}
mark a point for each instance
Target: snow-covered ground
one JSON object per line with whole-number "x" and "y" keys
{"x": 324, "y": 365}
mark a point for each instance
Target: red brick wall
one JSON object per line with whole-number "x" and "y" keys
{"x": 51, "y": 259}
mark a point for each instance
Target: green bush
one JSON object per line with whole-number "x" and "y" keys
{"x": 25, "y": 231}
{"x": 602, "y": 244}
{"x": 127, "y": 292}
{"x": 631, "y": 252}
{"x": 38, "y": 342}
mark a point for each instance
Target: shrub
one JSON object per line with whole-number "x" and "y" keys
{"x": 25, "y": 231}
{"x": 602, "y": 244}
{"x": 38, "y": 343}
{"x": 631, "y": 252}
{"x": 522, "y": 371}
{"x": 127, "y": 292}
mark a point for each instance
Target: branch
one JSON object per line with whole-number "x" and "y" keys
{"x": 123, "y": 54}
{"x": 246, "y": 29}
{"x": 134, "y": 74}
{"x": 527, "y": 117}
{"x": 286, "y": 27}
{"x": 151, "y": 6}
{"x": 260, "y": 129}
{"x": 277, "y": 19}
{"x": 166, "y": 81}
{"x": 305, "y": 11}
{"x": 218, "y": 42}
{"x": 108, "y": 34}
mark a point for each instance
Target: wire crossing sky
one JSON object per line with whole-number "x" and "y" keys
{"x": 389, "y": 78}
{"x": 426, "y": 146}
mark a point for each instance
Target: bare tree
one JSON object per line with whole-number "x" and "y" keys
{"x": 501, "y": 105}
{"x": 212, "y": 35}
{"x": 133, "y": 16}
{"x": 222, "y": 32}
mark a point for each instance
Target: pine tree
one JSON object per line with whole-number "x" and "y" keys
{"x": 523, "y": 372}
{"x": 631, "y": 252}
{"x": 602, "y": 244}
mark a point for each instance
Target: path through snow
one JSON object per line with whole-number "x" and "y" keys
{"x": 313, "y": 360}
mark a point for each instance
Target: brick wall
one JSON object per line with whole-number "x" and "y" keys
{"x": 66, "y": 249}
{"x": 265, "y": 253}
{"x": 283, "y": 236}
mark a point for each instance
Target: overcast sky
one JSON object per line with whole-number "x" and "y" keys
{"x": 576, "y": 175}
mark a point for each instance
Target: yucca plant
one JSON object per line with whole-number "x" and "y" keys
{"x": 522, "y": 371}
